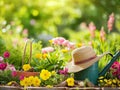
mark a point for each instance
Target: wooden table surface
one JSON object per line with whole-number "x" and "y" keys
{"x": 57, "y": 88}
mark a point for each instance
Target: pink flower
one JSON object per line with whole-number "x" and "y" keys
{"x": 71, "y": 45}
{"x": 3, "y": 66}
{"x": 10, "y": 67}
{"x": 92, "y": 29}
{"x": 6, "y": 54}
{"x": 25, "y": 39}
{"x": 1, "y": 59}
{"x": 15, "y": 42}
{"x": 102, "y": 34}
{"x": 115, "y": 68}
{"x": 58, "y": 40}
{"x": 47, "y": 49}
{"x": 65, "y": 43}
{"x": 111, "y": 21}
{"x": 64, "y": 72}
{"x": 21, "y": 77}
{"x": 62, "y": 41}
{"x": 115, "y": 65}
{"x": 32, "y": 22}
{"x": 14, "y": 73}
{"x": 25, "y": 32}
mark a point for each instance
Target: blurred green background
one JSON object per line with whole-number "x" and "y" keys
{"x": 42, "y": 20}
{"x": 57, "y": 17}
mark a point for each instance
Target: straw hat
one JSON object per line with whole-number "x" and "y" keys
{"x": 83, "y": 58}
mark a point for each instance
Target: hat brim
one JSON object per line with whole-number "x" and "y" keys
{"x": 76, "y": 68}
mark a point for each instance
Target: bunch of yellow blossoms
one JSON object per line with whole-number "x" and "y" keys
{"x": 39, "y": 55}
{"x": 45, "y": 78}
{"x": 30, "y": 81}
{"x": 34, "y": 80}
{"x": 108, "y": 82}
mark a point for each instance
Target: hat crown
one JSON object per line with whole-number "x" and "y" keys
{"x": 83, "y": 53}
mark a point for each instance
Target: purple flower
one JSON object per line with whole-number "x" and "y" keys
{"x": 3, "y": 66}
{"x": 64, "y": 72}
{"x": 6, "y": 54}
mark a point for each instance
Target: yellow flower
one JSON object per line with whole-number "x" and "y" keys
{"x": 64, "y": 50}
{"x": 109, "y": 82}
{"x": 49, "y": 86}
{"x": 53, "y": 72}
{"x": 119, "y": 84}
{"x": 106, "y": 85}
{"x": 36, "y": 81}
{"x": 105, "y": 80}
{"x": 45, "y": 74}
{"x": 114, "y": 81}
{"x": 51, "y": 41}
{"x": 10, "y": 83}
{"x": 113, "y": 85}
{"x": 100, "y": 80}
{"x": 38, "y": 55}
{"x": 44, "y": 55}
{"x": 70, "y": 81}
{"x": 31, "y": 78}
{"x": 101, "y": 77}
{"x": 24, "y": 82}
{"x": 26, "y": 67}
{"x": 79, "y": 44}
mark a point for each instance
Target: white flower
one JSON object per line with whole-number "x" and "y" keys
{"x": 1, "y": 59}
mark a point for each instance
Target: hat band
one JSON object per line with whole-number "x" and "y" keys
{"x": 86, "y": 60}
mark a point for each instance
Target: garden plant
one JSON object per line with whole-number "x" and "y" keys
{"x": 46, "y": 55}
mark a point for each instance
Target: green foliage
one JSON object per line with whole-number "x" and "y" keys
{"x": 2, "y": 45}
{"x": 54, "y": 80}
{"x": 5, "y": 77}
{"x": 14, "y": 43}
{"x": 51, "y": 61}
{"x": 54, "y": 16}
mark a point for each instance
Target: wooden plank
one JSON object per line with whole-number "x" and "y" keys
{"x": 57, "y": 88}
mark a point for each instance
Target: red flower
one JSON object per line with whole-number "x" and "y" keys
{"x": 3, "y": 66}
{"x": 115, "y": 68}
{"x": 6, "y": 54}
